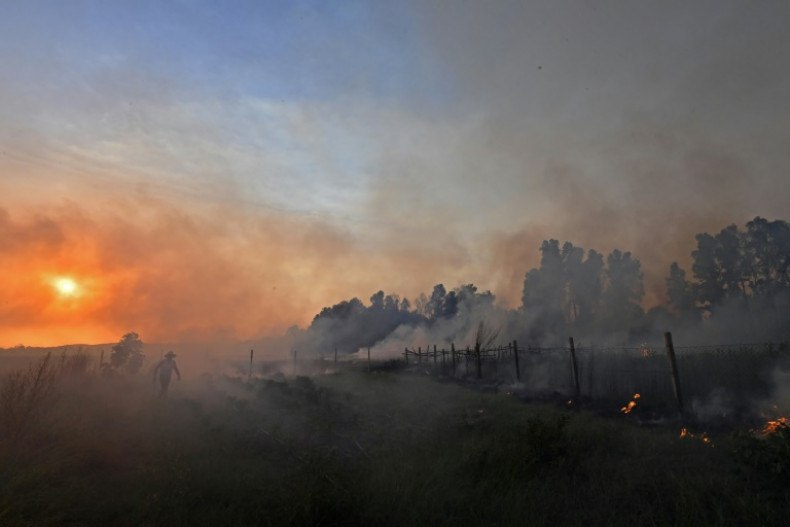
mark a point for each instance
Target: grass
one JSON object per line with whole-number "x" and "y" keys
{"x": 361, "y": 449}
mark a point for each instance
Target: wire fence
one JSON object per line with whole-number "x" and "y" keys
{"x": 667, "y": 378}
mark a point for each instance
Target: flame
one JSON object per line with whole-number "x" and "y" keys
{"x": 631, "y": 404}
{"x": 776, "y": 425}
{"x": 685, "y": 434}
{"x": 646, "y": 350}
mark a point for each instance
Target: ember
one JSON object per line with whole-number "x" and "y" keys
{"x": 631, "y": 405}
{"x": 776, "y": 425}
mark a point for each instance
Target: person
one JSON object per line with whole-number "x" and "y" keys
{"x": 165, "y": 369}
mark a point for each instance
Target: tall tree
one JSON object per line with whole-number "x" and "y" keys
{"x": 624, "y": 291}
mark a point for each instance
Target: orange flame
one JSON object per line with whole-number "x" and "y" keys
{"x": 684, "y": 434}
{"x": 775, "y": 425}
{"x": 631, "y": 405}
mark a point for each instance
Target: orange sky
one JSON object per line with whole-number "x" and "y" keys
{"x": 209, "y": 171}
{"x": 172, "y": 274}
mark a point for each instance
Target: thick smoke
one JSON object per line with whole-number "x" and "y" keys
{"x": 738, "y": 292}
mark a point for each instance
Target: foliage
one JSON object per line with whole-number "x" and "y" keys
{"x": 766, "y": 455}
{"x": 127, "y": 355}
{"x": 23, "y": 395}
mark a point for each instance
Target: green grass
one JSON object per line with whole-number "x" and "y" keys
{"x": 366, "y": 449}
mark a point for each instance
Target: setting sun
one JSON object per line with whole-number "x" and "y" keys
{"x": 66, "y": 287}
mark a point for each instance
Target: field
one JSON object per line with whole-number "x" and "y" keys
{"x": 361, "y": 448}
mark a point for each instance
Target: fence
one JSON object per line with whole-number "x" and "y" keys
{"x": 667, "y": 378}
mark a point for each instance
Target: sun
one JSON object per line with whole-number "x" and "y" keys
{"x": 66, "y": 287}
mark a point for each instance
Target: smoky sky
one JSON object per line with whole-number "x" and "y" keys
{"x": 355, "y": 147}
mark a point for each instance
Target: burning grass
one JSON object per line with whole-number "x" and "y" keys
{"x": 383, "y": 448}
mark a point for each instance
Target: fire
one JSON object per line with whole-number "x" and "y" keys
{"x": 776, "y": 425}
{"x": 631, "y": 404}
{"x": 646, "y": 350}
{"x": 685, "y": 434}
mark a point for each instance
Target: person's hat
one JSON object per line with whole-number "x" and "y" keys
{"x": 170, "y": 355}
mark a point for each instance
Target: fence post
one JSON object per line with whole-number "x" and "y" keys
{"x": 434, "y": 356}
{"x": 406, "y": 355}
{"x": 295, "y": 360}
{"x": 515, "y": 355}
{"x": 479, "y": 362}
{"x": 468, "y": 352}
{"x": 452, "y": 355}
{"x": 419, "y": 355}
{"x": 674, "y": 368}
{"x": 575, "y": 370}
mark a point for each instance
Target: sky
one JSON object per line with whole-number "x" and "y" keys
{"x": 223, "y": 170}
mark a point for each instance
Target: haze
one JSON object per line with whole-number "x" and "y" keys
{"x": 214, "y": 171}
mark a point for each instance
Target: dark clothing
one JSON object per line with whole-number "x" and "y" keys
{"x": 165, "y": 369}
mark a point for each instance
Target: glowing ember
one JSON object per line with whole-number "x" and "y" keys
{"x": 685, "y": 434}
{"x": 776, "y": 425}
{"x": 631, "y": 405}
{"x": 646, "y": 350}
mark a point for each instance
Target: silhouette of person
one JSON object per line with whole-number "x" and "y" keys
{"x": 165, "y": 369}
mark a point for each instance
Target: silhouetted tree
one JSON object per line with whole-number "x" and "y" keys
{"x": 127, "y": 354}
{"x": 623, "y": 294}
{"x": 680, "y": 295}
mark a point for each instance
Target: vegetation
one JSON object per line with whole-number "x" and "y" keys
{"x": 353, "y": 449}
{"x": 128, "y": 354}
{"x": 739, "y": 291}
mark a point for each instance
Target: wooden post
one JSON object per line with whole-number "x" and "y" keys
{"x": 479, "y": 362}
{"x": 575, "y": 370}
{"x": 468, "y": 352}
{"x": 368, "y": 358}
{"x": 251, "y": 354}
{"x": 406, "y": 355}
{"x": 674, "y": 367}
{"x": 452, "y": 355}
{"x": 515, "y": 355}
{"x": 419, "y": 355}
{"x": 295, "y": 361}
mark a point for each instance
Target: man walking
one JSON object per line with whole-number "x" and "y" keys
{"x": 165, "y": 369}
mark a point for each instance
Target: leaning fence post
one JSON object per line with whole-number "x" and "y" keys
{"x": 515, "y": 355}
{"x": 575, "y": 370}
{"x": 674, "y": 367}
{"x": 250, "y": 375}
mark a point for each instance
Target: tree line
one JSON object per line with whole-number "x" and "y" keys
{"x": 739, "y": 287}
